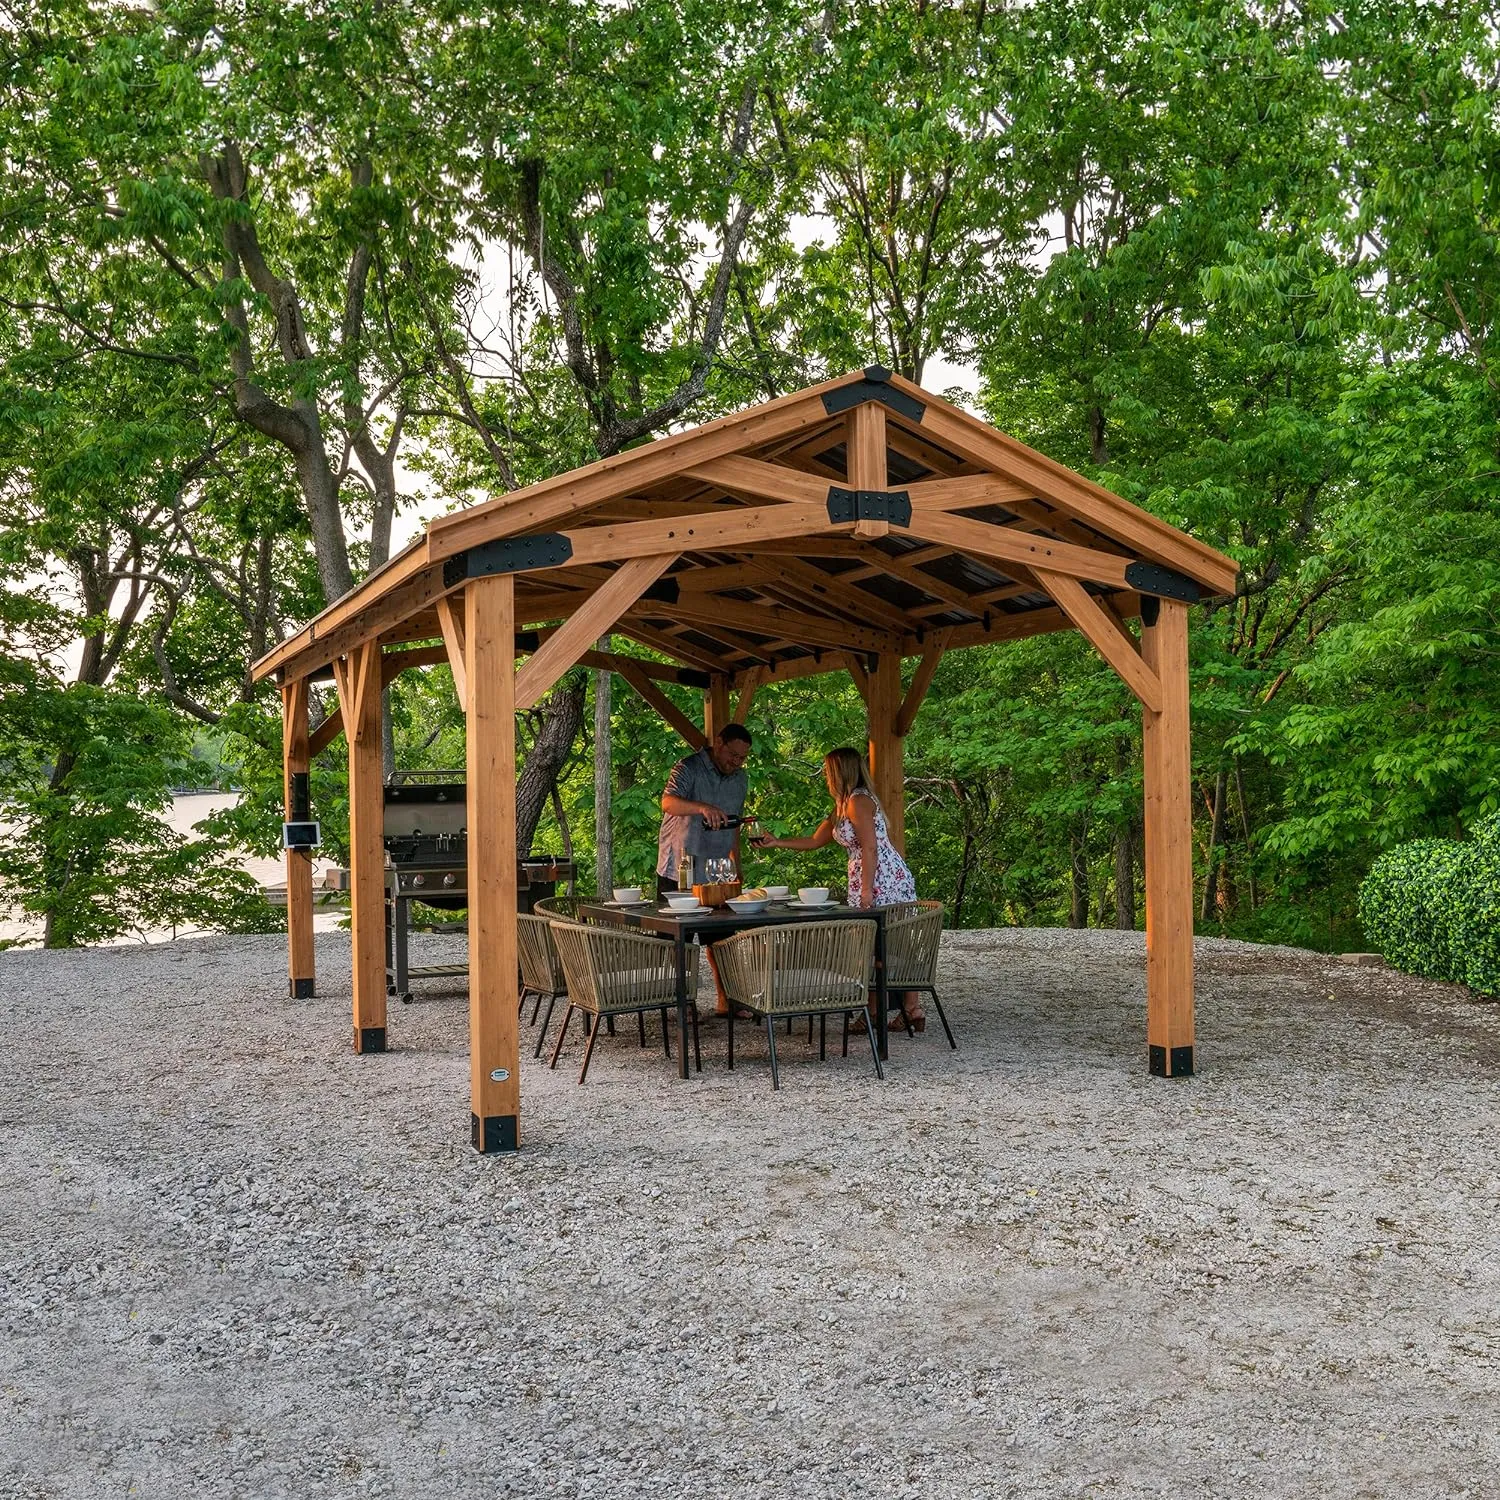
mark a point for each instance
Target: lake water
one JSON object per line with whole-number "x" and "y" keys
{"x": 188, "y": 810}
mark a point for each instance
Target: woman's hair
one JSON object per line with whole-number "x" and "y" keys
{"x": 845, "y": 768}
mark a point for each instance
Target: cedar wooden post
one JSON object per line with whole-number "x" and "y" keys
{"x": 887, "y": 748}
{"x": 296, "y": 758}
{"x": 358, "y": 676}
{"x": 494, "y": 1027}
{"x": 1169, "y": 846}
{"x": 715, "y": 706}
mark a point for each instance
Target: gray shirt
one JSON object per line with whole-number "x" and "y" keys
{"x": 695, "y": 778}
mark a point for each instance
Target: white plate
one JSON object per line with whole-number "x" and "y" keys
{"x": 811, "y": 905}
{"x": 684, "y": 911}
{"x": 644, "y": 901}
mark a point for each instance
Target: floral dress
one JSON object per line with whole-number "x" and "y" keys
{"x": 893, "y": 882}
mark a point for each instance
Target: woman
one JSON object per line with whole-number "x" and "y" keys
{"x": 878, "y": 876}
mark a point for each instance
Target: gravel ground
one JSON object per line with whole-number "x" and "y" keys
{"x": 239, "y": 1261}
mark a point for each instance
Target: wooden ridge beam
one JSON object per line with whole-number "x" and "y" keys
{"x": 704, "y": 531}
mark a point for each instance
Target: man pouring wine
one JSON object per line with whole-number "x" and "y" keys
{"x": 702, "y": 807}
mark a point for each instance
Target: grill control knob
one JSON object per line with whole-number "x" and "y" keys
{"x": 419, "y": 880}
{"x": 450, "y": 879}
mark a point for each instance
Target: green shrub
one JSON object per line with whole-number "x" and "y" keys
{"x": 1433, "y": 908}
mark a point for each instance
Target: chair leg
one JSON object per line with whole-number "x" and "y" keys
{"x": 943, "y": 1017}
{"x": 609, "y": 1024}
{"x": 521, "y": 1001}
{"x": 771, "y": 1038}
{"x": 588, "y": 1051}
{"x": 697, "y": 1050}
{"x": 666, "y": 1040}
{"x": 822, "y": 1035}
{"x": 640, "y": 1021}
{"x": 562, "y": 1032}
{"x": 541, "y": 1036}
{"x": 846, "y": 1033}
{"x": 537, "y": 1007}
{"x": 809, "y": 1028}
{"x": 731, "y": 1038}
{"x": 875, "y": 1053}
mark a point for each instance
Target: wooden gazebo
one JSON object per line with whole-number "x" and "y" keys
{"x": 842, "y": 528}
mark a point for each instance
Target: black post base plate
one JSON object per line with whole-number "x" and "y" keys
{"x": 369, "y": 1039}
{"x": 303, "y": 989}
{"x": 494, "y": 1133}
{"x": 1176, "y": 1063}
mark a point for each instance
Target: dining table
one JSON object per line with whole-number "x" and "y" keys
{"x": 704, "y": 927}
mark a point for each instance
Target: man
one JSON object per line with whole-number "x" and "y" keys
{"x": 705, "y": 791}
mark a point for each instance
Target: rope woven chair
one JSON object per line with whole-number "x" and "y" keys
{"x": 610, "y": 972}
{"x": 804, "y": 969}
{"x": 541, "y": 969}
{"x": 912, "y": 937}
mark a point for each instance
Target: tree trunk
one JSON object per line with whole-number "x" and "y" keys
{"x": 1125, "y": 878}
{"x": 562, "y": 717}
{"x": 1239, "y": 788}
{"x": 604, "y": 828}
{"x": 1078, "y": 909}
{"x": 1215, "y": 847}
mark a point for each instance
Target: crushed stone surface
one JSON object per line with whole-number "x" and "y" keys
{"x": 237, "y": 1260}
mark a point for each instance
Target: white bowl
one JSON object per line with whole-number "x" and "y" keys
{"x": 627, "y": 895}
{"x": 748, "y": 905}
{"x": 778, "y": 892}
{"x": 813, "y": 895}
{"x": 681, "y": 900}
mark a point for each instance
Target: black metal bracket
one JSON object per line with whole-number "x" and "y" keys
{"x": 1149, "y": 578}
{"x": 301, "y": 800}
{"x": 302, "y": 989}
{"x": 493, "y": 1133}
{"x": 1181, "y": 1061}
{"x": 874, "y": 387}
{"x": 513, "y": 555}
{"x": 369, "y": 1039}
{"x": 869, "y": 505}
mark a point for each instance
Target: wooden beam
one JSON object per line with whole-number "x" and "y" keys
{"x": 296, "y": 755}
{"x": 359, "y": 687}
{"x": 605, "y": 606}
{"x": 494, "y": 1026}
{"x": 887, "y": 749}
{"x": 668, "y": 645}
{"x": 450, "y": 622}
{"x": 658, "y": 700}
{"x": 1000, "y": 542}
{"x": 867, "y": 459}
{"x": 549, "y": 501}
{"x": 762, "y": 481}
{"x": 326, "y": 732}
{"x": 776, "y": 622}
{"x": 748, "y": 690}
{"x": 1141, "y": 532}
{"x": 1098, "y": 627}
{"x": 704, "y": 531}
{"x": 1166, "y": 742}
{"x": 715, "y": 705}
{"x": 963, "y": 492}
{"x": 832, "y": 593}
{"x": 859, "y": 675}
{"x": 394, "y": 663}
{"x": 906, "y": 715}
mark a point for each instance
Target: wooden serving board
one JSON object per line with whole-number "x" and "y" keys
{"x": 717, "y": 895}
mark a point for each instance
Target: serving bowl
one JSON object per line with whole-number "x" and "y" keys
{"x": 628, "y": 895}
{"x": 813, "y": 895}
{"x": 778, "y": 892}
{"x": 748, "y": 906}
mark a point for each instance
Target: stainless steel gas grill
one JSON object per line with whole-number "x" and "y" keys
{"x": 427, "y": 860}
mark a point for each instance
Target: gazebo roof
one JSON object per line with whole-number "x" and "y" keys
{"x": 774, "y": 554}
